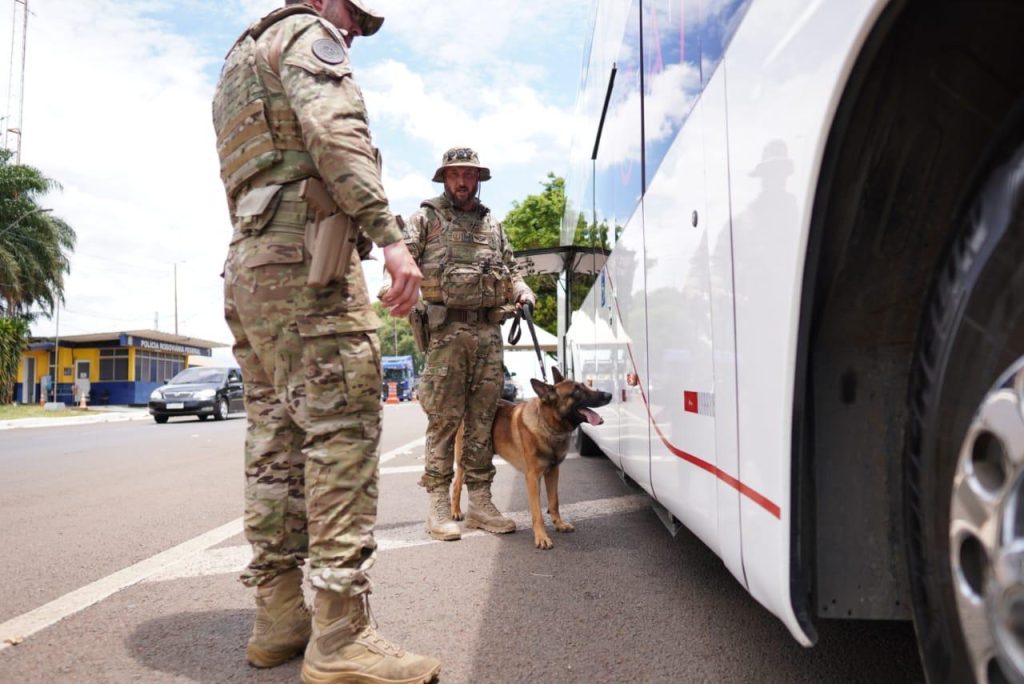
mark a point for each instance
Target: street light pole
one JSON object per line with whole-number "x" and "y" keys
{"x": 176, "y": 294}
{"x": 24, "y": 216}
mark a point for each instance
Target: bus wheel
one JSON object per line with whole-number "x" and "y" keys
{"x": 964, "y": 465}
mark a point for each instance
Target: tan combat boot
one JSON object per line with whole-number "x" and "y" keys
{"x": 345, "y": 647}
{"x": 439, "y": 518}
{"x": 483, "y": 514}
{"x": 282, "y": 621}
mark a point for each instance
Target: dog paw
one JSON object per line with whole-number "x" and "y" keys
{"x": 563, "y": 526}
{"x": 543, "y": 542}
{"x": 457, "y": 514}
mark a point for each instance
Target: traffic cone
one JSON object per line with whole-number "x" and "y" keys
{"x": 392, "y": 393}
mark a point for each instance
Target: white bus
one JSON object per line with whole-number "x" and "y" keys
{"x": 812, "y": 314}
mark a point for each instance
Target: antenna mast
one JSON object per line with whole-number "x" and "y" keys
{"x": 16, "y": 79}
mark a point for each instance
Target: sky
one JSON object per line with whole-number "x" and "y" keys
{"x": 117, "y": 110}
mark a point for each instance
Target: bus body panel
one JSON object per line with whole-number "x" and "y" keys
{"x": 694, "y": 329}
{"x": 783, "y": 53}
{"x": 681, "y": 384}
{"x": 718, "y": 224}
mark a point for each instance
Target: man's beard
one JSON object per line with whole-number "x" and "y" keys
{"x": 460, "y": 203}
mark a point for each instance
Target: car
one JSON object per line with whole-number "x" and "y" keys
{"x": 508, "y": 388}
{"x": 198, "y": 391}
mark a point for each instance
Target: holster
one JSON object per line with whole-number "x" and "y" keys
{"x": 330, "y": 239}
{"x": 420, "y": 329}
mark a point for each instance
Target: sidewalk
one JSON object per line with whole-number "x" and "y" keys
{"x": 97, "y": 414}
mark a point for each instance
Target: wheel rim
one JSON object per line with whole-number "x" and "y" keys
{"x": 222, "y": 407}
{"x": 987, "y": 532}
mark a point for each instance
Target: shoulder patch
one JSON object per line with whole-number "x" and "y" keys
{"x": 328, "y": 52}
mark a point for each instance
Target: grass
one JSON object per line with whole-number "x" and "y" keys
{"x": 15, "y": 411}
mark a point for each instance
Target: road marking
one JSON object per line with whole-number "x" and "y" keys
{"x": 403, "y": 470}
{"x": 233, "y": 559}
{"x": 195, "y": 558}
{"x": 404, "y": 449}
{"x": 28, "y": 624}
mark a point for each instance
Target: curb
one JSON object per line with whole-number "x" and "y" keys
{"x": 112, "y": 417}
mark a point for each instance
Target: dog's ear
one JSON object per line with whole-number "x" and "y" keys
{"x": 545, "y": 393}
{"x": 556, "y": 375}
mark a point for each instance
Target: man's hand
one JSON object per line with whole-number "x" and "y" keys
{"x": 405, "y": 279}
{"x": 524, "y": 301}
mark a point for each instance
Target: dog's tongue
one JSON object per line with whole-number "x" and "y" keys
{"x": 592, "y": 417}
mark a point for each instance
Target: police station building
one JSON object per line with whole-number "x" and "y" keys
{"x": 116, "y": 368}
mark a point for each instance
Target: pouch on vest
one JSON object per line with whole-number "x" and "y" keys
{"x": 470, "y": 286}
{"x": 256, "y": 208}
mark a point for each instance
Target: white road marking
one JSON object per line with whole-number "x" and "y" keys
{"x": 233, "y": 559}
{"x": 404, "y": 449}
{"x": 80, "y": 599}
{"x": 196, "y": 558}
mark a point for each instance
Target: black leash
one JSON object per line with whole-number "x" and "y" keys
{"x": 516, "y": 333}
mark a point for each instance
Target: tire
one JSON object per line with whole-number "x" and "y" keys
{"x": 220, "y": 410}
{"x": 160, "y": 419}
{"x": 586, "y": 446}
{"x": 963, "y": 493}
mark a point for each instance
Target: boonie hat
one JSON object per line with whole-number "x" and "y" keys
{"x": 461, "y": 156}
{"x": 369, "y": 20}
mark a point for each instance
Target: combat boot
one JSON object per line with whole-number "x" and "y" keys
{"x": 439, "y": 518}
{"x": 282, "y": 621}
{"x": 345, "y": 647}
{"x": 484, "y": 515}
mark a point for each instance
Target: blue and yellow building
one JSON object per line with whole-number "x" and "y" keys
{"x": 122, "y": 367}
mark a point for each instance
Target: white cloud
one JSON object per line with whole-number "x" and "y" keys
{"x": 510, "y": 123}
{"x": 118, "y": 110}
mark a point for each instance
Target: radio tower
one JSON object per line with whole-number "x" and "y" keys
{"x": 16, "y": 80}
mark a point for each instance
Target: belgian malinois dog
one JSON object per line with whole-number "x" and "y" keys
{"x": 534, "y": 437}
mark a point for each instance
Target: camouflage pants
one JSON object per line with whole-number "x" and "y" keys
{"x": 461, "y": 382}
{"x": 311, "y": 363}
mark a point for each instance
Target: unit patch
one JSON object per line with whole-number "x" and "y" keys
{"x": 329, "y": 52}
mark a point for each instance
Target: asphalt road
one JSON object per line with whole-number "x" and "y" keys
{"x": 122, "y": 547}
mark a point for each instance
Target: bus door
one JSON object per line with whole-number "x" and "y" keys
{"x": 681, "y": 383}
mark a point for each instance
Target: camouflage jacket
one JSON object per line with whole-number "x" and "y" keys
{"x": 287, "y": 107}
{"x": 424, "y": 235}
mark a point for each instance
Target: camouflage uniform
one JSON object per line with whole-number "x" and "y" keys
{"x": 463, "y": 376}
{"x": 286, "y": 109}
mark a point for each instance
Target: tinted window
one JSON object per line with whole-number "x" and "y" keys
{"x": 672, "y": 72}
{"x": 618, "y": 182}
{"x": 198, "y": 375}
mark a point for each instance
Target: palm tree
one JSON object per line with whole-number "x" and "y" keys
{"x": 34, "y": 245}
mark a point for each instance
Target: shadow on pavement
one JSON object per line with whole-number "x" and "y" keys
{"x": 621, "y": 600}
{"x": 204, "y": 647}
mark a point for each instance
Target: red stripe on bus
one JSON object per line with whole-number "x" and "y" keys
{"x": 749, "y": 492}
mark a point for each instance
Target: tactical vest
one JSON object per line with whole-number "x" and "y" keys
{"x": 258, "y": 134}
{"x": 472, "y": 273}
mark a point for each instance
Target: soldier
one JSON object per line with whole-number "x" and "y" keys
{"x": 470, "y": 282}
{"x": 292, "y": 136}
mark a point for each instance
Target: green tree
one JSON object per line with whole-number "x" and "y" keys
{"x": 536, "y": 222}
{"x": 396, "y": 337}
{"x": 13, "y": 340}
{"x": 34, "y": 245}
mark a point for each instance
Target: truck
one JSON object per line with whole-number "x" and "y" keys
{"x": 401, "y": 371}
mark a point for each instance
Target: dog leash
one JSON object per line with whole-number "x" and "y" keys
{"x": 516, "y": 333}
